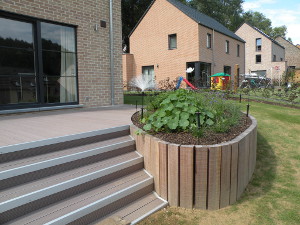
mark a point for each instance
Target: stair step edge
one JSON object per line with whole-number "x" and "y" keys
{"x": 56, "y": 140}
{"x": 68, "y": 218}
{"x": 33, "y": 196}
{"x": 61, "y": 160}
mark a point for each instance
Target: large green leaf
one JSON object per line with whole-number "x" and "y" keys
{"x": 209, "y": 122}
{"x": 158, "y": 124}
{"x": 184, "y": 123}
{"x": 147, "y": 127}
{"x": 173, "y": 124}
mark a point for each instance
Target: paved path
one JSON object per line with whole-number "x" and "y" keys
{"x": 27, "y": 127}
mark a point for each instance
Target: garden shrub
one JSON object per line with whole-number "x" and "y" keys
{"x": 176, "y": 111}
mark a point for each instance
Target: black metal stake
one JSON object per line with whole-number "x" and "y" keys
{"x": 248, "y": 108}
{"x": 142, "y": 116}
{"x": 198, "y": 124}
{"x": 240, "y": 98}
{"x": 143, "y": 93}
{"x": 136, "y": 105}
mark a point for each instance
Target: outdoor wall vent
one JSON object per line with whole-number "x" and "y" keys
{"x": 103, "y": 23}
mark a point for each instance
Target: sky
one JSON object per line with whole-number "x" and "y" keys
{"x": 280, "y": 12}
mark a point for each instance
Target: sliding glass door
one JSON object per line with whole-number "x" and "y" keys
{"x": 37, "y": 63}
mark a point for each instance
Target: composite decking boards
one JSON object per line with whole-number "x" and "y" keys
{"x": 234, "y": 172}
{"x": 201, "y": 169}
{"x": 147, "y": 153}
{"x": 186, "y": 156}
{"x": 214, "y": 165}
{"x": 50, "y": 124}
{"x": 225, "y": 176}
{"x": 173, "y": 175}
{"x": 163, "y": 170}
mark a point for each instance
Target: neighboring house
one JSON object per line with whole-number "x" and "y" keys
{"x": 298, "y": 46}
{"x": 57, "y": 53}
{"x": 264, "y": 55}
{"x": 170, "y": 37}
{"x": 292, "y": 53}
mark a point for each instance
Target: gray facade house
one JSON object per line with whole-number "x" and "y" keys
{"x": 59, "y": 53}
{"x": 263, "y": 55}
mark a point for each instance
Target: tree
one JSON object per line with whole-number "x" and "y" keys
{"x": 279, "y": 31}
{"x": 226, "y": 12}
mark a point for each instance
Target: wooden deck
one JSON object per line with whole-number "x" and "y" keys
{"x": 28, "y": 127}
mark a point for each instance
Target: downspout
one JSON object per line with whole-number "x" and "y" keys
{"x": 111, "y": 46}
{"x": 213, "y": 53}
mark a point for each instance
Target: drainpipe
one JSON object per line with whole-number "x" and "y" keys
{"x": 111, "y": 46}
{"x": 213, "y": 53}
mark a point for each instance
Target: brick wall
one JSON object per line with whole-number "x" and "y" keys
{"x": 128, "y": 68}
{"x": 292, "y": 53}
{"x": 149, "y": 44}
{"x": 93, "y": 51}
{"x": 267, "y": 50}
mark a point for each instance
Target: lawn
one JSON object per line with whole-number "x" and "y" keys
{"x": 273, "y": 195}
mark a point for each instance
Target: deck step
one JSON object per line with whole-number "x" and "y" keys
{"x": 76, "y": 179}
{"x": 25, "y": 170}
{"x": 105, "y": 199}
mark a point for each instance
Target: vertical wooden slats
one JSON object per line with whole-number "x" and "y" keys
{"x": 214, "y": 167}
{"x": 234, "y": 172}
{"x": 186, "y": 176}
{"x": 204, "y": 177}
{"x": 201, "y": 163}
{"x": 163, "y": 170}
{"x": 225, "y": 176}
{"x": 173, "y": 174}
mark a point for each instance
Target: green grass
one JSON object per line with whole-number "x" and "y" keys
{"x": 273, "y": 195}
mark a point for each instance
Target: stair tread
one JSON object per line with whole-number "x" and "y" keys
{"x": 74, "y": 203}
{"x": 35, "y": 159}
{"x": 30, "y": 187}
{"x": 139, "y": 208}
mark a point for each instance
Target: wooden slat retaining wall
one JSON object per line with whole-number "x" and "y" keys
{"x": 202, "y": 176}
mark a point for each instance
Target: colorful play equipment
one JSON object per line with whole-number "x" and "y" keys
{"x": 186, "y": 81}
{"x": 219, "y": 81}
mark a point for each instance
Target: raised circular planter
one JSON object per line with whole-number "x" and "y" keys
{"x": 199, "y": 176}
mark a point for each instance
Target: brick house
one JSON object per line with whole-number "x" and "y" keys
{"x": 292, "y": 53}
{"x": 264, "y": 55}
{"x": 170, "y": 37}
{"x": 57, "y": 53}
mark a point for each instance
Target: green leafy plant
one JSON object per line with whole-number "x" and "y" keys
{"x": 176, "y": 112}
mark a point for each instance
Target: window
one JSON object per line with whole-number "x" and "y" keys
{"x": 200, "y": 76}
{"x": 208, "y": 41}
{"x": 227, "y": 69}
{"x": 258, "y": 44}
{"x": 281, "y": 59}
{"x": 274, "y": 58}
{"x": 172, "y": 41}
{"x": 227, "y": 47}
{"x": 39, "y": 66}
{"x": 258, "y": 58}
{"x": 149, "y": 72}
{"x": 238, "y": 50}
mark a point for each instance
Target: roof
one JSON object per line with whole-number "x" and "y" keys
{"x": 288, "y": 42}
{"x": 204, "y": 20}
{"x": 198, "y": 17}
{"x": 264, "y": 34}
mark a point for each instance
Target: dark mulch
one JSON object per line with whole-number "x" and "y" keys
{"x": 209, "y": 137}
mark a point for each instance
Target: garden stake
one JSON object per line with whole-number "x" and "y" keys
{"x": 240, "y": 98}
{"x": 248, "y": 107}
{"x": 198, "y": 123}
{"x": 142, "y": 116}
{"x": 136, "y": 105}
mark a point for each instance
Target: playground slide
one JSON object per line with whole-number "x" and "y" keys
{"x": 186, "y": 81}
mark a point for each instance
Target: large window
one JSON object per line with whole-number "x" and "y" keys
{"x": 258, "y": 58}
{"x": 172, "y": 41}
{"x": 200, "y": 76}
{"x": 258, "y": 44}
{"x": 37, "y": 62}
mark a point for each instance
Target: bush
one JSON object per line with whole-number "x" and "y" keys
{"x": 176, "y": 111}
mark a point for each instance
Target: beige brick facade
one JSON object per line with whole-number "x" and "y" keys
{"x": 273, "y": 68}
{"x": 93, "y": 52}
{"x": 292, "y": 53}
{"x": 149, "y": 44}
